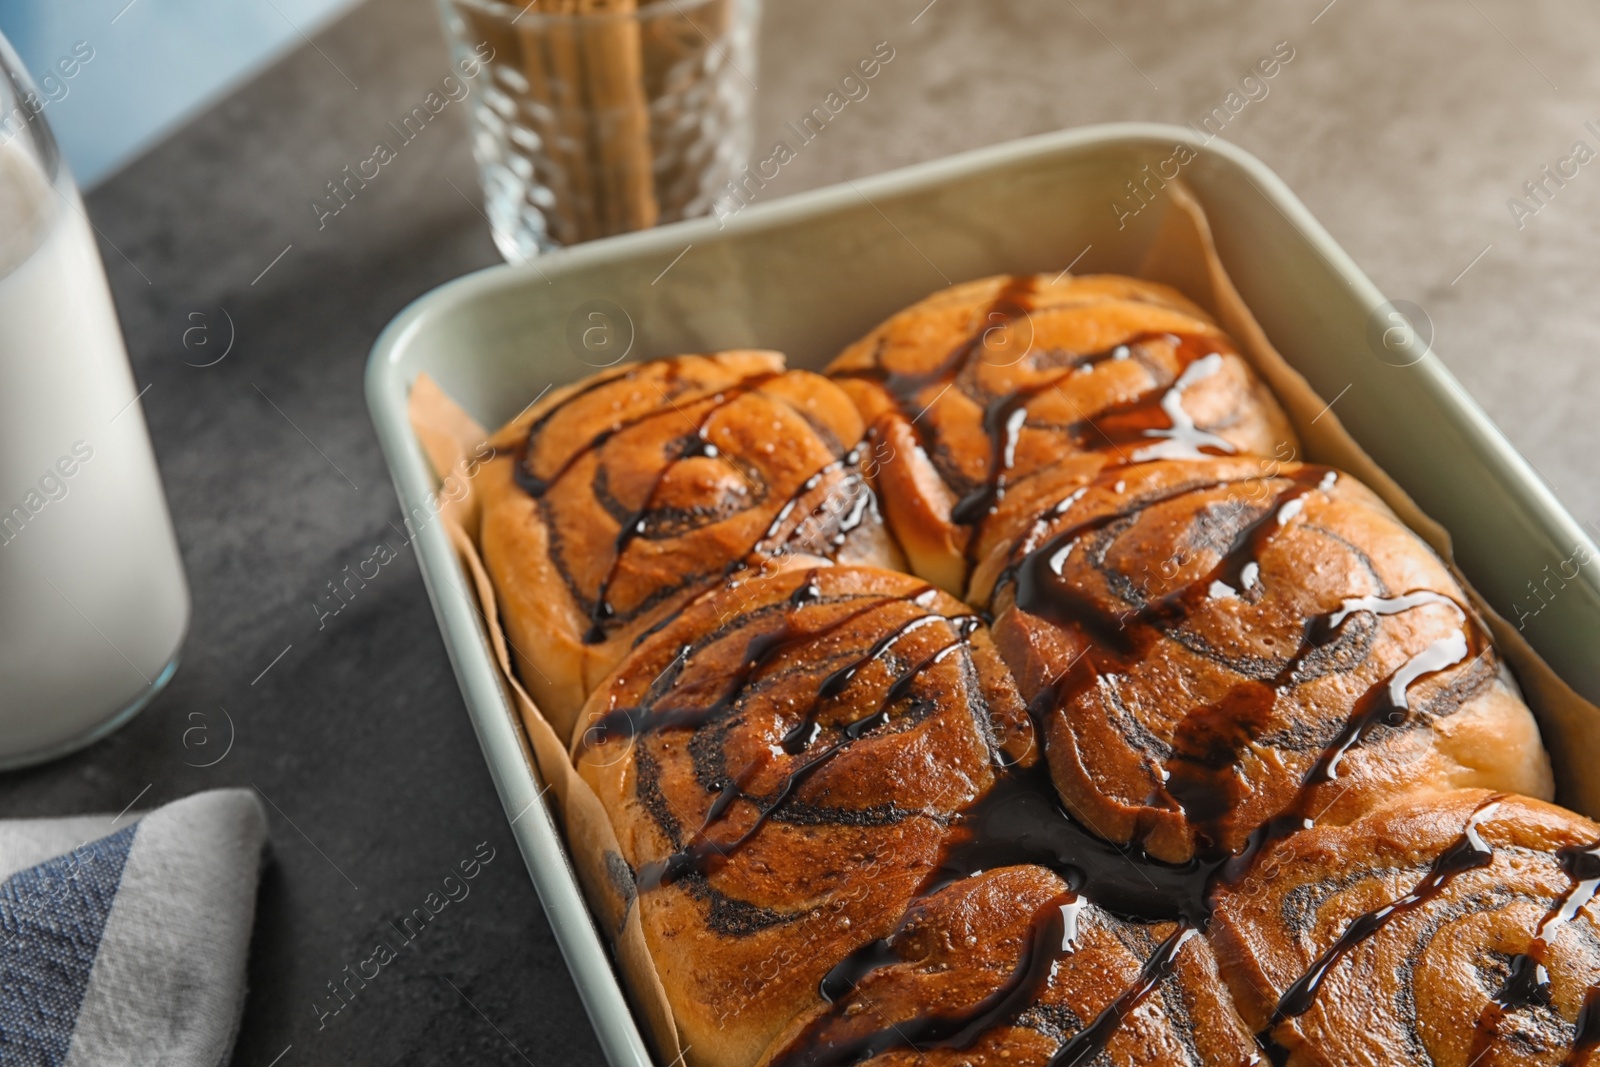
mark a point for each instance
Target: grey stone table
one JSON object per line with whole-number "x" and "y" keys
{"x": 1406, "y": 128}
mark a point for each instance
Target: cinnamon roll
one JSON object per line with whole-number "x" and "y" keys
{"x": 979, "y": 386}
{"x": 1013, "y": 967}
{"x": 613, "y": 502}
{"x": 1222, "y": 646}
{"x": 1456, "y": 931}
{"x": 781, "y": 763}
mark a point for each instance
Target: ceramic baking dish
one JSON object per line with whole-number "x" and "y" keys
{"x": 808, "y": 273}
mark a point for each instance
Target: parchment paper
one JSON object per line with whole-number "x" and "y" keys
{"x": 452, "y": 438}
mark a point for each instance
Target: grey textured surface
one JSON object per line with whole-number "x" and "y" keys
{"x": 1405, "y": 129}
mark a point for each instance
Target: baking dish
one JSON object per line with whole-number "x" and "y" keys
{"x": 806, "y": 274}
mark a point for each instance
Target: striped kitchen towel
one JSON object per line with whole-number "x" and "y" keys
{"x": 123, "y": 939}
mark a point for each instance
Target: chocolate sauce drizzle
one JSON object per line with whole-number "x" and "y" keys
{"x": 1156, "y": 413}
{"x": 1013, "y": 301}
{"x": 767, "y": 545}
{"x": 1586, "y": 1034}
{"x": 860, "y": 506}
{"x": 1052, "y": 938}
{"x": 800, "y": 737}
{"x": 1528, "y": 983}
{"x": 1208, "y": 743}
{"x": 704, "y": 853}
{"x": 1020, "y": 821}
{"x": 537, "y": 486}
{"x": 1201, "y": 780}
{"x": 1001, "y": 422}
{"x": 1053, "y": 934}
{"x": 695, "y": 444}
{"x": 1469, "y": 852}
{"x": 1083, "y": 1047}
{"x": 760, "y": 651}
{"x": 1155, "y": 418}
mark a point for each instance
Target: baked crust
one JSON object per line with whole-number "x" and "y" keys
{"x": 981, "y": 385}
{"x": 1210, "y": 644}
{"x": 944, "y": 993}
{"x": 1450, "y": 969}
{"x": 613, "y": 502}
{"x": 776, "y": 820}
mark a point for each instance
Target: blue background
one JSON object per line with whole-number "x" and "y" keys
{"x": 156, "y": 62}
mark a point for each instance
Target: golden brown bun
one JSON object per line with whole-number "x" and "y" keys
{"x": 977, "y": 387}
{"x": 731, "y": 701}
{"x": 693, "y": 467}
{"x": 1010, "y": 967}
{"x": 1201, "y": 640}
{"x": 1439, "y": 947}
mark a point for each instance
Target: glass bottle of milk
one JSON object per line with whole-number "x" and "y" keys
{"x": 93, "y": 602}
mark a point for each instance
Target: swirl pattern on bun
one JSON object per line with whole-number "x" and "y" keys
{"x": 613, "y": 502}
{"x": 781, "y": 764}
{"x": 1215, "y": 645}
{"x": 1010, "y": 966}
{"x": 1458, "y": 931}
{"x": 979, "y": 386}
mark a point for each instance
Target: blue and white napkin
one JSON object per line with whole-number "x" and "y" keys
{"x": 123, "y": 940}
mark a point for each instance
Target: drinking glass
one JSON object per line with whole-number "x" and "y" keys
{"x": 596, "y": 117}
{"x": 93, "y": 602}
